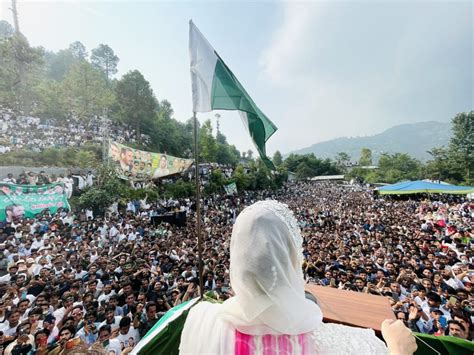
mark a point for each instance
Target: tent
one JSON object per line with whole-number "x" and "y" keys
{"x": 415, "y": 187}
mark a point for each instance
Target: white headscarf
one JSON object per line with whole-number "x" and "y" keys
{"x": 266, "y": 274}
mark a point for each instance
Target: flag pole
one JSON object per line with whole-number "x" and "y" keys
{"x": 198, "y": 208}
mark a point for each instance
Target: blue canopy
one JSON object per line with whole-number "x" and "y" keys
{"x": 414, "y": 187}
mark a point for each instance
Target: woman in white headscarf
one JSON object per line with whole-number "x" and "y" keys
{"x": 269, "y": 313}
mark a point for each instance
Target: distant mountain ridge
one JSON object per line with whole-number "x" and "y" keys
{"x": 412, "y": 138}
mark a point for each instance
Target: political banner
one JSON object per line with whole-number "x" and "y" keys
{"x": 27, "y": 201}
{"x": 135, "y": 164}
{"x": 231, "y": 189}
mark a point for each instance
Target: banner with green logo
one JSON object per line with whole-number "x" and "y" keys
{"x": 27, "y": 201}
{"x": 135, "y": 164}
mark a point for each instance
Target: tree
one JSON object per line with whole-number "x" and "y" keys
{"x": 303, "y": 171}
{"x": 455, "y": 163}
{"x": 277, "y": 159}
{"x": 397, "y": 167}
{"x": 207, "y": 143}
{"x": 78, "y": 50}
{"x": 216, "y": 182}
{"x": 442, "y": 167}
{"x": 365, "y": 157}
{"x": 164, "y": 108}
{"x": 227, "y": 154}
{"x": 104, "y": 58}
{"x": 167, "y": 134}
{"x": 109, "y": 189}
{"x": 342, "y": 160}
{"x": 308, "y": 165}
{"x": 235, "y": 153}
{"x": 263, "y": 176}
{"x": 19, "y": 71}
{"x": 6, "y": 30}
{"x": 249, "y": 154}
{"x": 462, "y": 142}
{"x": 59, "y": 64}
{"x": 86, "y": 91}
{"x": 135, "y": 101}
{"x": 240, "y": 178}
{"x": 220, "y": 138}
{"x": 51, "y": 99}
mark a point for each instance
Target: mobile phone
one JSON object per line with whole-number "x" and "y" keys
{"x": 106, "y": 343}
{"x": 453, "y": 300}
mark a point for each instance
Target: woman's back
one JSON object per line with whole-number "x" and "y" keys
{"x": 206, "y": 332}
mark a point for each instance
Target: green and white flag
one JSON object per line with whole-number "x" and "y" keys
{"x": 164, "y": 337}
{"x": 215, "y": 87}
{"x": 231, "y": 189}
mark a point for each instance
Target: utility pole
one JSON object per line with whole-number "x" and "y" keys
{"x": 15, "y": 17}
{"x": 105, "y": 137}
{"x": 24, "y": 105}
{"x": 218, "y": 123}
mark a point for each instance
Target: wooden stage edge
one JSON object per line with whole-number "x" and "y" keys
{"x": 352, "y": 308}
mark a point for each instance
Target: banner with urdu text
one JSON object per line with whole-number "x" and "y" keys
{"x": 26, "y": 201}
{"x": 135, "y": 164}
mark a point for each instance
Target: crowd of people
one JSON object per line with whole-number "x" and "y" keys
{"x": 71, "y": 284}
{"x": 19, "y": 132}
{"x": 72, "y": 182}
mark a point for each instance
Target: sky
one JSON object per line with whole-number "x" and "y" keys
{"x": 318, "y": 70}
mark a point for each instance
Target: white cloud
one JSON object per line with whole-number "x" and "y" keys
{"x": 358, "y": 68}
{"x": 290, "y": 40}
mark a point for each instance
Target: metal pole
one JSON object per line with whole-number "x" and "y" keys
{"x": 198, "y": 208}
{"x": 15, "y": 17}
{"x": 25, "y": 100}
{"x": 105, "y": 137}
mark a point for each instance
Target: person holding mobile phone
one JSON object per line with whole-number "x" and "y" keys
{"x": 41, "y": 341}
{"x": 24, "y": 341}
{"x": 111, "y": 345}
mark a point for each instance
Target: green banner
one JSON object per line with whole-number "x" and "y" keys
{"x": 27, "y": 201}
{"x": 135, "y": 164}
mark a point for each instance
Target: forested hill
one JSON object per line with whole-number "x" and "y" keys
{"x": 414, "y": 139}
{"x": 77, "y": 85}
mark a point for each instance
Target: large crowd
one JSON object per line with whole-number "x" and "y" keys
{"x": 98, "y": 284}
{"x": 19, "y": 132}
{"x": 72, "y": 182}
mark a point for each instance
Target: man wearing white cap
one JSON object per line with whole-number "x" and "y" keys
{"x": 30, "y": 265}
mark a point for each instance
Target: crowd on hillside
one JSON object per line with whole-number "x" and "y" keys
{"x": 72, "y": 182}
{"x": 71, "y": 283}
{"x": 19, "y": 132}
{"x": 80, "y": 180}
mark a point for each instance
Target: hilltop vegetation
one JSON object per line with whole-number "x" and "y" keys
{"x": 73, "y": 83}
